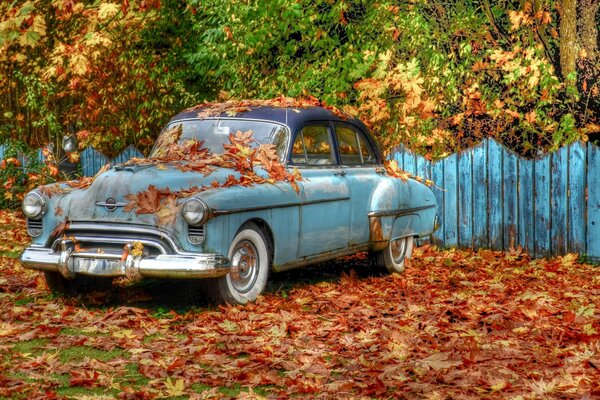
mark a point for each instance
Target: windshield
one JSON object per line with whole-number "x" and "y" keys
{"x": 214, "y": 133}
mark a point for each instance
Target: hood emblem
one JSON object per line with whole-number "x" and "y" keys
{"x": 110, "y": 204}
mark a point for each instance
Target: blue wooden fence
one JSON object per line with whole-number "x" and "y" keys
{"x": 489, "y": 197}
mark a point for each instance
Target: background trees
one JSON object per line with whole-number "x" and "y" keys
{"x": 436, "y": 76}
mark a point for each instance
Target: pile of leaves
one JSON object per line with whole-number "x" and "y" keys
{"x": 456, "y": 324}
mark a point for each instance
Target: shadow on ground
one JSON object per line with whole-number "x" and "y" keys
{"x": 182, "y": 295}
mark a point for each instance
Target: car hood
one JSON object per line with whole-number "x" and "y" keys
{"x": 117, "y": 183}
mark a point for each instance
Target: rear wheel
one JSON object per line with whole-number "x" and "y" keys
{"x": 62, "y": 286}
{"x": 393, "y": 257}
{"x": 250, "y": 260}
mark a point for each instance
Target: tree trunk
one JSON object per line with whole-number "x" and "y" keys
{"x": 568, "y": 37}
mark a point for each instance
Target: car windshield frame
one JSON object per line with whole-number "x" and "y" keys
{"x": 282, "y": 151}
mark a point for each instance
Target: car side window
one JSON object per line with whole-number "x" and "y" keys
{"x": 312, "y": 146}
{"x": 354, "y": 148}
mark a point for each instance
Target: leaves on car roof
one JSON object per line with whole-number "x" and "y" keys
{"x": 233, "y": 107}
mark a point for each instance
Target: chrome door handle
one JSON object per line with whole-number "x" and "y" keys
{"x": 340, "y": 173}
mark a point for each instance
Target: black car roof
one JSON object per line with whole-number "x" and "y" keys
{"x": 293, "y": 117}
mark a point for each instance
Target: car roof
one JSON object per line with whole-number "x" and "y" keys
{"x": 290, "y": 116}
{"x": 293, "y": 117}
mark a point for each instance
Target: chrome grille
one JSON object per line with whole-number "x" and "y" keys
{"x": 110, "y": 239}
{"x": 196, "y": 234}
{"x": 34, "y": 227}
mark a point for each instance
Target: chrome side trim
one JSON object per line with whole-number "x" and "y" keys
{"x": 398, "y": 213}
{"x": 272, "y": 207}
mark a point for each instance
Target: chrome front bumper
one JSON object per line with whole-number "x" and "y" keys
{"x": 168, "y": 266}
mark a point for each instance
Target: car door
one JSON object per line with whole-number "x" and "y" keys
{"x": 360, "y": 163}
{"x": 324, "y": 191}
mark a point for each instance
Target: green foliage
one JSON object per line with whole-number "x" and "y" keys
{"x": 16, "y": 180}
{"x": 435, "y": 76}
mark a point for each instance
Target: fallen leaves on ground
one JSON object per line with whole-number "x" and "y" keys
{"x": 457, "y": 324}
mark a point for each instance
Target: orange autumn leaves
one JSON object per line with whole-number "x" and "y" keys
{"x": 456, "y": 324}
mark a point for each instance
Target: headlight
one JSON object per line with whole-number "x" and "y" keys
{"x": 34, "y": 205}
{"x": 195, "y": 212}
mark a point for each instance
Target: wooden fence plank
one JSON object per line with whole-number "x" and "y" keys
{"x": 577, "y": 209}
{"x": 450, "y": 200}
{"x": 409, "y": 163}
{"x": 480, "y": 212}
{"x": 558, "y": 201}
{"x": 465, "y": 199}
{"x": 542, "y": 206}
{"x": 510, "y": 199}
{"x": 127, "y": 154}
{"x": 593, "y": 202}
{"x": 92, "y": 161}
{"x": 423, "y": 168}
{"x": 525, "y": 194}
{"x": 1, "y": 152}
{"x": 495, "y": 195}
{"x": 437, "y": 176}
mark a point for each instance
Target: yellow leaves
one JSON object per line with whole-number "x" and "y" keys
{"x": 168, "y": 211}
{"x": 108, "y": 10}
{"x": 518, "y": 18}
{"x": 124, "y": 334}
{"x": 137, "y": 249}
{"x": 569, "y": 260}
{"x": 78, "y": 64}
{"x": 394, "y": 170}
{"x": 39, "y": 25}
{"x": 96, "y": 39}
{"x": 176, "y": 388}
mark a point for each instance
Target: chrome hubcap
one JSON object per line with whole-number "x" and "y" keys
{"x": 398, "y": 248}
{"x": 245, "y": 263}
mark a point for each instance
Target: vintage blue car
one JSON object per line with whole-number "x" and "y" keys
{"x": 176, "y": 215}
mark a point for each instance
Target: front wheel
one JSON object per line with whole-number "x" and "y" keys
{"x": 250, "y": 262}
{"x": 394, "y": 256}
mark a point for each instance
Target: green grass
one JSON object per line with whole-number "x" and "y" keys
{"x": 69, "y": 331}
{"x": 78, "y": 353}
{"x": 90, "y": 393}
{"x": 133, "y": 377}
{"x": 152, "y": 337}
{"x": 33, "y": 346}
{"x": 10, "y": 254}
{"x": 200, "y": 387}
{"x": 24, "y": 301}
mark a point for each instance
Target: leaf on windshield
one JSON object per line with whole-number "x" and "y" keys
{"x": 168, "y": 138}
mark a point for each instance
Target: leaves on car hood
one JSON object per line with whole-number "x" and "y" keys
{"x": 239, "y": 154}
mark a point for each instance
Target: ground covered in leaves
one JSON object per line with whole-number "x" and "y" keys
{"x": 457, "y": 324}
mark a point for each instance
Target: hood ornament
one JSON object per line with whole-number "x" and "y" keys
{"x": 110, "y": 204}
